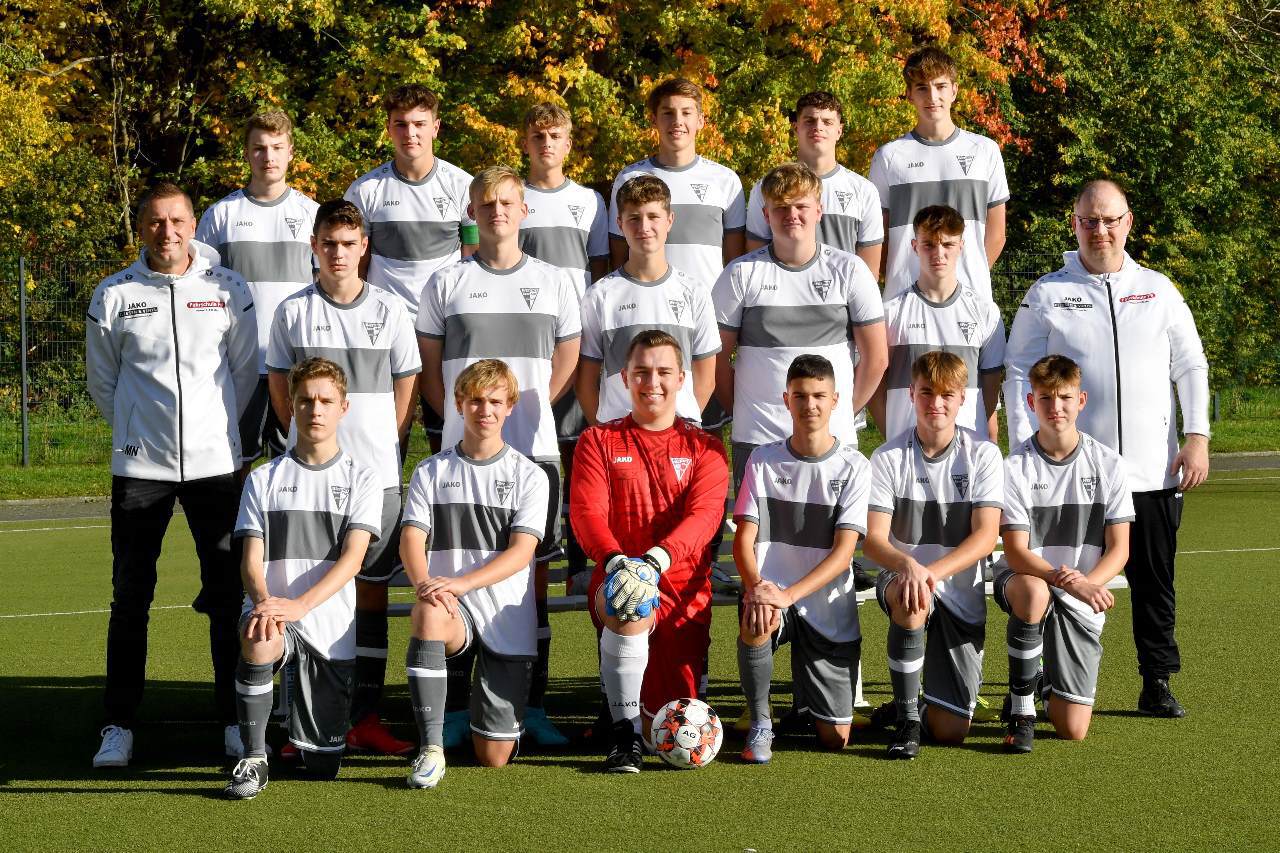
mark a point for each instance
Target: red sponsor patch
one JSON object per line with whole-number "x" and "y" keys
{"x": 208, "y": 303}
{"x": 1138, "y": 297}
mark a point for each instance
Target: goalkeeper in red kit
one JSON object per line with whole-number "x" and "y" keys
{"x": 648, "y": 495}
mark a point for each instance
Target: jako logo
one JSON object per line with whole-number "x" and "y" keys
{"x": 618, "y": 459}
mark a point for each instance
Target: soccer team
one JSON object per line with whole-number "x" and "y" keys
{"x": 311, "y": 334}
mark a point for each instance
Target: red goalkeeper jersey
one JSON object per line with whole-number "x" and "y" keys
{"x": 634, "y": 488}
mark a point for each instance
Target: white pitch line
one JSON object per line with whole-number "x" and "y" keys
{"x": 68, "y": 527}
{"x": 85, "y": 612}
{"x": 1228, "y": 551}
{"x": 1238, "y": 479}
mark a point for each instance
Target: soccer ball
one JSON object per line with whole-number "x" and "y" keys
{"x": 686, "y": 733}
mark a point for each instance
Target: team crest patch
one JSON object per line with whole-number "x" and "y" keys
{"x": 576, "y": 211}
{"x": 340, "y": 494}
{"x": 1090, "y": 485}
{"x": 680, "y": 464}
{"x": 966, "y": 329}
{"x": 293, "y": 222}
{"x": 677, "y": 307}
{"x": 844, "y": 198}
{"x": 822, "y": 285}
{"x": 965, "y": 161}
{"x": 373, "y": 330}
{"x": 837, "y": 486}
{"x": 530, "y": 295}
{"x": 442, "y": 204}
{"x": 504, "y": 489}
{"x": 700, "y": 190}
{"x": 961, "y": 482}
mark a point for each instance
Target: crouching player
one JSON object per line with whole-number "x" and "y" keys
{"x": 648, "y": 496}
{"x": 473, "y": 518}
{"x": 297, "y": 513}
{"x": 933, "y": 514}
{"x": 1066, "y": 533}
{"x": 801, "y": 507}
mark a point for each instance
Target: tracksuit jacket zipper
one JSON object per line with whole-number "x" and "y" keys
{"x": 177, "y": 370}
{"x": 1115, "y": 344}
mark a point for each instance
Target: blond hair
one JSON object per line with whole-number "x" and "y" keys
{"x": 928, "y": 63}
{"x": 547, "y": 115}
{"x": 317, "y": 368}
{"x": 485, "y": 185}
{"x": 1053, "y": 373}
{"x": 269, "y": 121}
{"x": 789, "y": 182}
{"x": 483, "y": 374}
{"x": 941, "y": 371}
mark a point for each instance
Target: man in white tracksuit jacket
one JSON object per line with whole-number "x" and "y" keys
{"x": 1135, "y": 340}
{"x": 171, "y": 359}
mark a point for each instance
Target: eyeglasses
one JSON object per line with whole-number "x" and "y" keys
{"x": 1090, "y": 223}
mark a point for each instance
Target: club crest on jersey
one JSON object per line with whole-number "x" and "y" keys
{"x": 293, "y": 222}
{"x": 837, "y": 486}
{"x": 576, "y": 211}
{"x": 965, "y": 161}
{"x": 700, "y": 190}
{"x": 961, "y": 482}
{"x": 530, "y": 295}
{"x": 677, "y": 307}
{"x": 1090, "y": 485}
{"x": 966, "y": 329}
{"x": 504, "y": 489}
{"x": 442, "y": 204}
{"x": 340, "y": 494}
{"x": 373, "y": 330}
{"x": 844, "y": 198}
{"x": 822, "y": 285}
{"x": 680, "y": 464}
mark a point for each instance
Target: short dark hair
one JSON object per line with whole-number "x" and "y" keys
{"x": 338, "y": 212}
{"x": 160, "y": 190}
{"x": 652, "y": 339}
{"x": 810, "y": 366}
{"x": 643, "y": 189}
{"x": 317, "y": 367}
{"x": 676, "y": 87}
{"x": 938, "y": 219}
{"x": 818, "y": 101}
{"x": 928, "y": 63}
{"x": 411, "y": 96}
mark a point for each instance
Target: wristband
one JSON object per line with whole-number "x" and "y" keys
{"x": 658, "y": 557}
{"x": 613, "y": 561}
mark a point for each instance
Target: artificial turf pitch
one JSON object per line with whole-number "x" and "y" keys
{"x": 1208, "y": 781}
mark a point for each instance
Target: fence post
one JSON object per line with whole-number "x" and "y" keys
{"x": 22, "y": 358}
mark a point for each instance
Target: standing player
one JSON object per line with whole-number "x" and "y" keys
{"x": 938, "y": 163}
{"x": 651, "y": 491}
{"x": 502, "y": 303}
{"x": 933, "y": 515}
{"x": 263, "y": 232}
{"x": 1066, "y": 522}
{"x": 800, "y": 511}
{"x": 646, "y": 292}
{"x": 938, "y": 312}
{"x": 306, "y": 519}
{"x": 473, "y": 518}
{"x": 851, "y": 218}
{"x": 367, "y": 332}
{"x": 171, "y": 362}
{"x": 416, "y": 210}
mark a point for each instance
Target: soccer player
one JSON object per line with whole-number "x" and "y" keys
{"x": 793, "y": 297}
{"x": 473, "y": 518}
{"x": 263, "y": 232}
{"x": 851, "y": 218}
{"x": 367, "y": 332}
{"x": 938, "y": 163}
{"x": 646, "y": 292}
{"x": 1133, "y": 336}
{"x": 306, "y": 518}
{"x": 800, "y": 511}
{"x": 1067, "y": 512}
{"x": 502, "y": 303}
{"x": 416, "y": 209}
{"x": 933, "y": 515}
{"x": 938, "y": 312}
{"x": 171, "y": 360}
{"x": 650, "y": 495}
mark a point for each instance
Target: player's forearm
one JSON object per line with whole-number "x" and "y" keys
{"x": 829, "y": 568}
{"x": 404, "y": 389}
{"x": 518, "y": 555}
{"x": 589, "y": 501}
{"x": 871, "y": 257}
{"x": 413, "y": 553}
{"x": 990, "y": 393}
{"x": 346, "y": 567}
{"x": 431, "y": 380}
{"x": 278, "y": 391}
{"x": 732, "y": 246}
{"x": 252, "y": 574}
{"x": 587, "y": 387}
{"x": 1023, "y": 561}
{"x": 994, "y": 237}
{"x": 980, "y": 542}
{"x": 744, "y": 553}
{"x": 704, "y": 380}
{"x": 564, "y": 364}
{"x": 880, "y": 551}
{"x": 703, "y": 508}
{"x": 1114, "y": 556}
{"x": 724, "y": 378}
{"x": 873, "y": 360}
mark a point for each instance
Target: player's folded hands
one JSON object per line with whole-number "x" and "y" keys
{"x": 280, "y": 609}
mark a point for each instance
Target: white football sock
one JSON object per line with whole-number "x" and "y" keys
{"x": 622, "y": 662}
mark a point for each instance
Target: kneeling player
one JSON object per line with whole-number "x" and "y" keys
{"x": 1066, "y": 533}
{"x": 474, "y": 516}
{"x": 933, "y": 515}
{"x": 801, "y": 507}
{"x": 296, "y": 513}
{"x": 648, "y": 496}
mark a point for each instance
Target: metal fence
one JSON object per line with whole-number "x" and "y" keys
{"x": 47, "y": 417}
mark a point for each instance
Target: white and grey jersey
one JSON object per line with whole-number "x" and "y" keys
{"x": 1135, "y": 340}
{"x": 1065, "y": 507}
{"x": 268, "y": 243}
{"x": 618, "y": 307}
{"x": 964, "y": 172}
{"x": 303, "y": 514}
{"x": 469, "y": 509}
{"x": 565, "y": 227}
{"x": 851, "y": 217}
{"x": 780, "y": 312}
{"x": 707, "y": 201}
{"x": 372, "y": 340}
{"x": 415, "y": 227}
{"x": 798, "y": 503}
{"x": 964, "y": 324}
{"x": 932, "y": 499}
{"x": 518, "y": 315}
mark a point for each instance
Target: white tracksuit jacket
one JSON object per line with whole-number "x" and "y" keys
{"x": 1134, "y": 338}
{"x": 171, "y": 362}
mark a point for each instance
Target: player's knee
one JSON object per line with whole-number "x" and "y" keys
{"x": 493, "y": 753}
{"x": 321, "y": 766}
{"x": 1073, "y": 730}
{"x": 945, "y": 728}
{"x": 431, "y": 621}
{"x": 832, "y": 738}
{"x": 1028, "y": 597}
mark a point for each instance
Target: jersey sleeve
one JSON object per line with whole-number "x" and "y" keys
{"x": 102, "y": 353}
{"x": 598, "y": 236}
{"x": 704, "y": 503}
{"x": 430, "y": 322}
{"x": 879, "y": 176}
{"x": 281, "y": 355}
{"x": 1028, "y": 343}
{"x": 569, "y": 315}
{"x": 1188, "y": 368}
{"x": 592, "y": 326}
{"x": 727, "y": 298}
{"x": 746, "y": 507}
{"x": 706, "y": 337}
{"x": 735, "y": 212}
{"x": 589, "y": 499}
{"x": 468, "y": 231}
{"x": 987, "y": 489}
{"x": 865, "y": 305}
{"x": 417, "y": 502}
{"x": 354, "y": 196}
{"x": 207, "y": 233}
{"x": 757, "y": 225}
{"x": 1015, "y": 515}
{"x": 855, "y": 494}
{"x": 1119, "y": 498}
{"x": 870, "y": 220}
{"x": 531, "y": 503}
{"x": 366, "y": 504}
{"x": 997, "y": 185}
{"x": 884, "y": 489}
{"x": 251, "y": 519}
{"x": 405, "y": 359}
{"x": 991, "y": 352}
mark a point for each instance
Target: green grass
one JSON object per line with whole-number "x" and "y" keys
{"x": 1197, "y": 783}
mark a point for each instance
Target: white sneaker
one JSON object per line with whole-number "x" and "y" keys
{"x": 231, "y": 743}
{"x": 116, "y": 749}
{"x": 428, "y": 768}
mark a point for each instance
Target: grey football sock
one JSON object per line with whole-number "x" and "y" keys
{"x": 755, "y": 672}
{"x": 424, "y": 665}
{"x": 906, "y": 658}
{"x": 253, "y": 705}
{"x": 1026, "y": 643}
